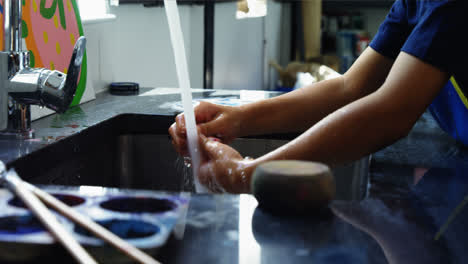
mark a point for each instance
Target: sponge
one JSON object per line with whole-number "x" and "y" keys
{"x": 293, "y": 186}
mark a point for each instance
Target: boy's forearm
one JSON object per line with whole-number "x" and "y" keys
{"x": 372, "y": 122}
{"x": 302, "y": 108}
{"x": 295, "y": 111}
{"x": 358, "y": 129}
{"x": 353, "y": 131}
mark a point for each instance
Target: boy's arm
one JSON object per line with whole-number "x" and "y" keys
{"x": 372, "y": 122}
{"x": 302, "y": 108}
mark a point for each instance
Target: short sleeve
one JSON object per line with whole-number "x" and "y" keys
{"x": 438, "y": 38}
{"x": 393, "y": 32}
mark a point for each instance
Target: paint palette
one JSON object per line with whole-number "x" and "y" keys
{"x": 145, "y": 219}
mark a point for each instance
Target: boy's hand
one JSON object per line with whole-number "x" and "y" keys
{"x": 213, "y": 120}
{"x": 223, "y": 169}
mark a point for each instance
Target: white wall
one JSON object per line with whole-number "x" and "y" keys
{"x": 136, "y": 47}
{"x": 244, "y": 47}
{"x": 238, "y": 51}
{"x": 278, "y": 39}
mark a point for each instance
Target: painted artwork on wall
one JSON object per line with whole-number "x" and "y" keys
{"x": 50, "y": 29}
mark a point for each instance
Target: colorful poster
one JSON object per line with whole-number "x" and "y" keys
{"x": 50, "y": 29}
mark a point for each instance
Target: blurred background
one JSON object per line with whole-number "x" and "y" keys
{"x": 240, "y": 45}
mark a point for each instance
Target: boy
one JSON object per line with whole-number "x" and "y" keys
{"x": 415, "y": 61}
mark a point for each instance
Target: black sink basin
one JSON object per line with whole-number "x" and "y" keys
{"x": 135, "y": 151}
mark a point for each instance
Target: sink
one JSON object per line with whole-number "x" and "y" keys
{"x": 135, "y": 151}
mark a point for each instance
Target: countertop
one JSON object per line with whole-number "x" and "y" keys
{"x": 158, "y": 101}
{"x": 415, "y": 186}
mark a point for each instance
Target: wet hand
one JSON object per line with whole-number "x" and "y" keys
{"x": 213, "y": 120}
{"x": 223, "y": 169}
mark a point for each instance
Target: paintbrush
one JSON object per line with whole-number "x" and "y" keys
{"x": 65, "y": 210}
{"x": 12, "y": 181}
{"x": 92, "y": 226}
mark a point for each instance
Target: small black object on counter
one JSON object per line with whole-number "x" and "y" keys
{"x": 124, "y": 88}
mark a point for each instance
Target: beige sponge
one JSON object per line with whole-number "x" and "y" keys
{"x": 292, "y": 186}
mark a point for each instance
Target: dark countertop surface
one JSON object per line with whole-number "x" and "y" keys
{"x": 416, "y": 185}
{"x": 162, "y": 101}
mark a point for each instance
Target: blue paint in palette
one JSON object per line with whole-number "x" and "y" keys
{"x": 144, "y": 218}
{"x": 20, "y": 225}
{"x": 68, "y": 199}
{"x": 126, "y": 229}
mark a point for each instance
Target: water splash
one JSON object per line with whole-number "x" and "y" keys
{"x": 186, "y": 172}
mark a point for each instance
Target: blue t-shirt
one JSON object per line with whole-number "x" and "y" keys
{"x": 433, "y": 31}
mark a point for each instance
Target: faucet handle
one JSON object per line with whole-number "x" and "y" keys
{"x": 56, "y": 94}
{"x": 74, "y": 68}
{"x": 40, "y": 86}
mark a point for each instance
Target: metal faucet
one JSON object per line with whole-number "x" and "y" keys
{"x": 22, "y": 86}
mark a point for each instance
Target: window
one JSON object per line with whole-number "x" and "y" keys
{"x": 251, "y": 8}
{"x": 94, "y": 10}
